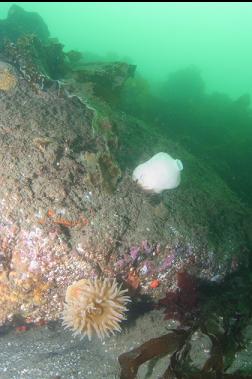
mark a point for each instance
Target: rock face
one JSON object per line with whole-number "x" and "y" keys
{"x": 105, "y": 78}
{"x": 69, "y": 209}
{"x": 20, "y": 22}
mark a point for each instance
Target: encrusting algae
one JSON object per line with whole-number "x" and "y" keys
{"x": 94, "y": 307}
{"x": 7, "y": 79}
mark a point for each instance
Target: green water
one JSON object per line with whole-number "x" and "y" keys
{"x": 193, "y": 79}
{"x": 160, "y": 37}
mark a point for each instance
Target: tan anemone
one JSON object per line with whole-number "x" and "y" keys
{"x": 94, "y": 307}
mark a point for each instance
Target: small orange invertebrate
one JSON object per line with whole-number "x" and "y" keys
{"x": 155, "y": 283}
{"x": 42, "y": 221}
{"x": 50, "y": 213}
{"x": 65, "y": 222}
{"x": 133, "y": 279}
{"x": 22, "y": 328}
{"x": 41, "y": 322}
{"x": 83, "y": 220}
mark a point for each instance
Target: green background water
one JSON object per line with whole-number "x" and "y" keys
{"x": 160, "y": 37}
{"x": 193, "y": 81}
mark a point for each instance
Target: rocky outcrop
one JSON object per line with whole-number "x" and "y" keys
{"x": 20, "y": 22}
{"x": 106, "y": 79}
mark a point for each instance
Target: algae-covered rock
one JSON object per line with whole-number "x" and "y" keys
{"x": 107, "y": 78}
{"x": 20, "y": 22}
{"x": 8, "y": 80}
{"x": 102, "y": 170}
{"x": 39, "y": 62}
{"x": 64, "y": 218}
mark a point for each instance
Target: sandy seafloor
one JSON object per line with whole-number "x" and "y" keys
{"x": 52, "y": 352}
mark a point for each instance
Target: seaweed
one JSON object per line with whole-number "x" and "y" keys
{"x": 219, "y": 311}
{"x": 155, "y": 347}
{"x": 182, "y": 303}
{"x": 177, "y": 343}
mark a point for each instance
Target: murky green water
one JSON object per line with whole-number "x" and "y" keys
{"x": 160, "y": 38}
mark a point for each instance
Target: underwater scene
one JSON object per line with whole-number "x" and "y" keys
{"x": 126, "y": 190}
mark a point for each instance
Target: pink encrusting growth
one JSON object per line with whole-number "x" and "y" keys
{"x": 33, "y": 266}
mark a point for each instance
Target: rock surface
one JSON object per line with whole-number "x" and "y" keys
{"x": 20, "y": 22}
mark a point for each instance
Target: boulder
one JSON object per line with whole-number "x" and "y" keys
{"x": 20, "y": 22}
{"x": 68, "y": 206}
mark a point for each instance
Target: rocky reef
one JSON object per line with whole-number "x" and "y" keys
{"x": 69, "y": 208}
{"x": 20, "y": 22}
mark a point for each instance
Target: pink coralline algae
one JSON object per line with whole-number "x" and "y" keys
{"x": 134, "y": 252}
{"x": 146, "y": 247}
{"x": 168, "y": 261}
{"x": 137, "y": 253}
{"x": 35, "y": 265}
{"x": 142, "y": 257}
{"x": 148, "y": 267}
{"x": 123, "y": 262}
{"x": 147, "y": 259}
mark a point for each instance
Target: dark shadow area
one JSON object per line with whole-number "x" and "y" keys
{"x": 221, "y": 311}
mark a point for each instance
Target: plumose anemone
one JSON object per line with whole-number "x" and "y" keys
{"x": 94, "y": 307}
